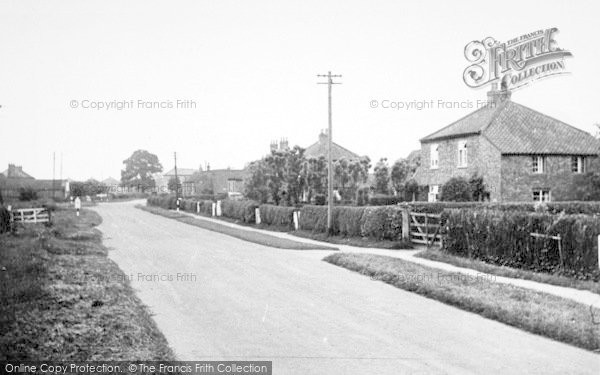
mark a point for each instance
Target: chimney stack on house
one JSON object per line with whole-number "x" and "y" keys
{"x": 496, "y": 96}
{"x": 323, "y": 136}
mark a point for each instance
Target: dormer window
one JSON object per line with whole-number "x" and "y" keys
{"x": 434, "y": 157}
{"x": 462, "y": 154}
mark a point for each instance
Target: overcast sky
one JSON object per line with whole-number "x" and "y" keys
{"x": 250, "y": 67}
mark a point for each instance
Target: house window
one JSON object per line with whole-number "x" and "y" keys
{"x": 434, "y": 157}
{"x": 462, "y": 154}
{"x": 538, "y": 163}
{"x": 433, "y": 193}
{"x": 577, "y": 164}
{"x": 541, "y": 195}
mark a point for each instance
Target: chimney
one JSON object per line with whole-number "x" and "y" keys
{"x": 323, "y": 137}
{"x": 273, "y": 146}
{"x": 283, "y": 144}
{"x": 496, "y": 96}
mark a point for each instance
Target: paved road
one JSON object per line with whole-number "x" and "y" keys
{"x": 309, "y": 317}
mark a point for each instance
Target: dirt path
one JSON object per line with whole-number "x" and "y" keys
{"x": 309, "y": 317}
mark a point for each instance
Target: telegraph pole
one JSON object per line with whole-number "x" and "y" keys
{"x": 176, "y": 180}
{"x": 329, "y": 83}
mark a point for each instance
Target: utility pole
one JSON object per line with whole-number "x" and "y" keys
{"x": 53, "y": 174}
{"x": 329, "y": 83}
{"x": 176, "y": 178}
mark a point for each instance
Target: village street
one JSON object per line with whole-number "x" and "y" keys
{"x": 216, "y": 297}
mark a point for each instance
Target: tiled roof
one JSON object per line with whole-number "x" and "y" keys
{"x": 338, "y": 152}
{"x": 181, "y": 172}
{"x": 516, "y": 129}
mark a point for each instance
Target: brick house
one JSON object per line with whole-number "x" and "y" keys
{"x": 14, "y": 179}
{"x": 522, "y": 155}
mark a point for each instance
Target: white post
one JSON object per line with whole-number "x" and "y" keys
{"x": 219, "y": 212}
{"x": 214, "y": 209}
{"x": 257, "y": 215}
{"x": 599, "y": 251}
{"x": 197, "y": 207}
{"x": 296, "y": 216}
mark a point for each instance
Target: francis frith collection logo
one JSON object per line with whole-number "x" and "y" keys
{"x": 514, "y": 63}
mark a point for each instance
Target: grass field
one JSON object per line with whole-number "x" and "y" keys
{"x": 516, "y": 273}
{"x": 63, "y": 299}
{"x": 246, "y": 235}
{"x": 543, "y": 314}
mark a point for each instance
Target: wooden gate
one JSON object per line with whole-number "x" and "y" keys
{"x": 426, "y": 229}
{"x": 30, "y": 215}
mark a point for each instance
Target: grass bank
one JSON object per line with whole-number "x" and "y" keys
{"x": 355, "y": 241}
{"x": 515, "y": 273}
{"x": 543, "y": 314}
{"x": 63, "y": 299}
{"x": 246, "y": 235}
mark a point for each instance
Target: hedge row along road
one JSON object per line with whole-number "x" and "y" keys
{"x": 309, "y": 317}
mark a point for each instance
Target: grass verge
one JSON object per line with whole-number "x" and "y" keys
{"x": 64, "y": 300}
{"x": 246, "y": 235}
{"x": 354, "y": 241}
{"x": 515, "y": 273}
{"x": 543, "y": 314}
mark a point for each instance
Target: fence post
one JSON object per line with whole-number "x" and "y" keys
{"x": 219, "y": 212}
{"x": 214, "y": 209}
{"x": 599, "y": 251}
{"x": 296, "y": 217}
{"x": 257, "y": 215}
{"x": 197, "y": 207}
{"x": 405, "y": 224}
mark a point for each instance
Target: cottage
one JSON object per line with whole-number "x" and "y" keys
{"x": 522, "y": 155}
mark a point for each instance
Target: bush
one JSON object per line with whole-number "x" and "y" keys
{"x": 277, "y": 215}
{"x": 382, "y": 223}
{"x": 27, "y": 194}
{"x": 4, "y": 220}
{"x": 239, "y": 210}
{"x": 320, "y": 199}
{"x": 504, "y": 238}
{"x": 385, "y": 200}
{"x": 457, "y": 189}
{"x": 588, "y": 208}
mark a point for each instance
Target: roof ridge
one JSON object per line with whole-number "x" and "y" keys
{"x": 497, "y": 112}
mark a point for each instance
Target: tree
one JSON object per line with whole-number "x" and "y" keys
{"x": 411, "y": 190}
{"x": 27, "y": 194}
{"x": 478, "y": 189}
{"x": 382, "y": 177}
{"x": 314, "y": 172}
{"x": 400, "y": 172}
{"x": 139, "y": 168}
{"x": 256, "y": 186}
{"x": 457, "y": 189}
{"x": 586, "y": 187}
{"x": 174, "y": 184}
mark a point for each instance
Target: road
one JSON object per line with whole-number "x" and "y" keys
{"x": 236, "y": 300}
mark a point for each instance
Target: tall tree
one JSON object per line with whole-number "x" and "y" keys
{"x": 139, "y": 168}
{"x": 399, "y": 175}
{"x": 382, "y": 176}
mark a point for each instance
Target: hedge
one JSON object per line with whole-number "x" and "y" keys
{"x": 504, "y": 238}
{"x": 169, "y": 202}
{"x": 4, "y": 220}
{"x": 240, "y": 210}
{"x": 385, "y": 200}
{"x": 381, "y": 222}
{"x": 277, "y": 215}
{"x": 589, "y": 208}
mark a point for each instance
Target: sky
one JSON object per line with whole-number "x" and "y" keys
{"x": 247, "y": 72}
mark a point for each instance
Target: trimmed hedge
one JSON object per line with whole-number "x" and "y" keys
{"x": 169, "y": 202}
{"x": 589, "y": 208}
{"x": 239, "y": 210}
{"x": 277, "y": 215}
{"x": 4, "y": 220}
{"x": 504, "y": 238}
{"x": 385, "y": 200}
{"x": 382, "y": 222}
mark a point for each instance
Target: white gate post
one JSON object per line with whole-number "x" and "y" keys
{"x": 257, "y": 215}
{"x": 296, "y": 217}
{"x": 197, "y": 207}
{"x": 599, "y": 251}
{"x": 214, "y": 209}
{"x": 219, "y": 212}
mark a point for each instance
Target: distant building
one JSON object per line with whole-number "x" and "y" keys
{"x": 14, "y": 179}
{"x": 522, "y": 154}
{"x": 320, "y": 148}
{"x": 217, "y": 181}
